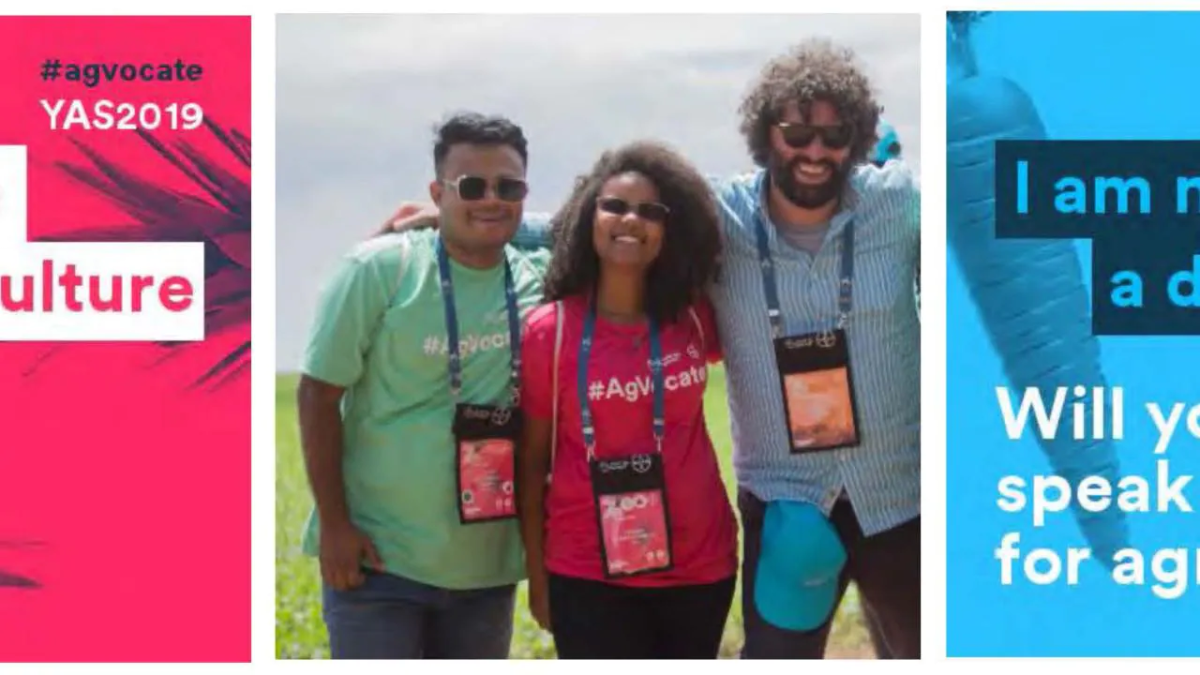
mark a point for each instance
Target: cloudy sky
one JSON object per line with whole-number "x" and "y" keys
{"x": 357, "y": 98}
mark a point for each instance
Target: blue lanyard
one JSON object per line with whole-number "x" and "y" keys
{"x": 772, "y": 292}
{"x": 514, "y": 326}
{"x": 656, "y": 370}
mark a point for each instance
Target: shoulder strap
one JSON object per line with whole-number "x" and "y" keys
{"x": 558, "y": 331}
{"x": 700, "y": 328}
{"x": 406, "y": 254}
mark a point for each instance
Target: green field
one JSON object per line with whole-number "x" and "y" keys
{"x": 300, "y": 633}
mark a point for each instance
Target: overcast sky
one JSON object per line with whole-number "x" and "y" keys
{"x": 357, "y": 98}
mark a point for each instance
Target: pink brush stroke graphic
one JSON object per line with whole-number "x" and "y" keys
{"x": 221, "y": 220}
{"x": 125, "y": 468}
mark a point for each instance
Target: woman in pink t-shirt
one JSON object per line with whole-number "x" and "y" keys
{"x": 630, "y": 538}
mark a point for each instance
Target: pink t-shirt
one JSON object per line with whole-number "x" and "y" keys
{"x": 703, "y": 528}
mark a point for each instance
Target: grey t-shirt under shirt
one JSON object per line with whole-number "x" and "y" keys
{"x": 805, "y": 238}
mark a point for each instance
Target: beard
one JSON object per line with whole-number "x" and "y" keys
{"x": 803, "y": 195}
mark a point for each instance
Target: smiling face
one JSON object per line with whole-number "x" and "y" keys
{"x": 480, "y": 195}
{"x": 630, "y": 222}
{"x": 810, "y": 158}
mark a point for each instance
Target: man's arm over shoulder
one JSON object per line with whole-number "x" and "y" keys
{"x": 535, "y": 232}
{"x": 897, "y": 187}
{"x": 737, "y": 199}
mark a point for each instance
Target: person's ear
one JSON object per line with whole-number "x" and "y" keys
{"x": 436, "y": 190}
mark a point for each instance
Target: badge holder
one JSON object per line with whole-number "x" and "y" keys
{"x": 629, "y": 492}
{"x": 818, "y": 391}
{"x": 630, "y": 496}
{"x": 485, "y": 436}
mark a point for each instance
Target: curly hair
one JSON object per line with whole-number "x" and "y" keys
{"x": 815, "y": 70}
{"x": 689, "y": 258}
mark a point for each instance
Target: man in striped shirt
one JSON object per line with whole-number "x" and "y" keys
{"x": 810, "y": 125}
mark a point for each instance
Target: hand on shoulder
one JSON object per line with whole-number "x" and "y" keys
{"x": 410, "y": 216}
{"x": 896, "y": 182}
{"x": 896, "y": 175}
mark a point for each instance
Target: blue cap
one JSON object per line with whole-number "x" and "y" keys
{"x": 800, "y": 559}
{"x": 888, "y": 146}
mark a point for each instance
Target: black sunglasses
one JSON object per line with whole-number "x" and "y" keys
{"x": 474, "y": 188}
{"x": 648, "y": 210}
{"x": 834, "y": 137}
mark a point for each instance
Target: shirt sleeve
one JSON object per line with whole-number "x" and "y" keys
{"x": 537, "y": 363}
{"x": 915, "y": 206}
{"x": 914, "y": 220}
{"x": 534, "y": 232}
{"x": 349, "y": 308}
{"x": 911, "y": 193}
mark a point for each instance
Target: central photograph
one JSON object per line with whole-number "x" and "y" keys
{"x": 598, "y": 337}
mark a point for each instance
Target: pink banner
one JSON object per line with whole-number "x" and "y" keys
{"x": 125, "y": 426}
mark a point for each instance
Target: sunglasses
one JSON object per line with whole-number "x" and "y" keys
{"x": 474, "y": 188}
{"x": 834, "y": 137}
{"x": 648, "y": 210}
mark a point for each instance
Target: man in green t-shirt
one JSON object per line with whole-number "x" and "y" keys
{"x": 407, "y": 440}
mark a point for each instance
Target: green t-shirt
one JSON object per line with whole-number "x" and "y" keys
{"x": 380, "y": 332}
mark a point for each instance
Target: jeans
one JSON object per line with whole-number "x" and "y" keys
{"x": 886, "y": 567}
{"x": 595, "y": 620}
{"x": 391, "y": 617}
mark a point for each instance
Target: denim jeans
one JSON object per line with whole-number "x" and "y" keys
{"x": 391, "y": 617}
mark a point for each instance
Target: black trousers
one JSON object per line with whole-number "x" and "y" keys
{"x": 886, "y": 568}
{"x": 595, "y": 620}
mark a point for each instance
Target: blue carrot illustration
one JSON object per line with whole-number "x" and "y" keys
{"x": 1030, "y": 294}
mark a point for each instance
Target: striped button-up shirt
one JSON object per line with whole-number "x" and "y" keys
{"x": 882, "y": 475}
